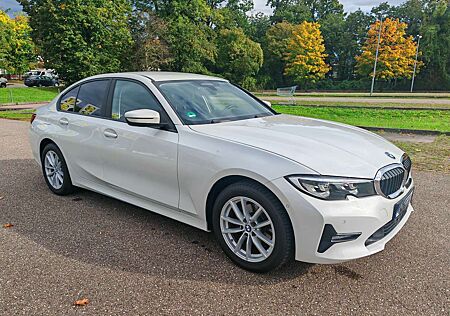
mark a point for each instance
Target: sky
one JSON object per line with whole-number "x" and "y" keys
{"x": 260, "y": 5}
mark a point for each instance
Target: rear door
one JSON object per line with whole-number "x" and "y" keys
{"x": 81, "y": 112}
{"x": 140, "y": 160}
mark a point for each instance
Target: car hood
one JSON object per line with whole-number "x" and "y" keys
{"x": 326, "y": 147}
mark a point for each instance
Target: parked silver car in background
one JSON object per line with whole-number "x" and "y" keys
{"x": 205, "y": 152}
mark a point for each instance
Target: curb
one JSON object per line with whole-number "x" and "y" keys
{"x": 367, "y": 107}
{"x": 404, "y": 131}
{"x": 15, "y": 109}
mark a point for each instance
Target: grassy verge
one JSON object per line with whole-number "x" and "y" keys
{"x": 402, "y": 119}
{"x": 433, "y": 156}
{"x": 28, "y": 95}
{"x": 23, "y": 115}
{"x": 371, "y": 104}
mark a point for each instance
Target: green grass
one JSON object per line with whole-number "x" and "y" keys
{"x": 22, "y": 115}
{"x": 402, "y": 119}
{"x": 28, "y": 95}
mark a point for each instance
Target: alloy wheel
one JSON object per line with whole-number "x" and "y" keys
{"x": 53, "y": 170}
{"x": 247, "y": 229}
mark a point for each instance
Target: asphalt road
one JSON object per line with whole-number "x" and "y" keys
{"x": 129, "y": 261}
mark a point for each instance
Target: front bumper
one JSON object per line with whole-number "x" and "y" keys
{"x": 362, "y": 216}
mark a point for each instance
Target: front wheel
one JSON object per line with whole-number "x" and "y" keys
{"x": 56, "y": 173}
{"x": 253, "y": 227}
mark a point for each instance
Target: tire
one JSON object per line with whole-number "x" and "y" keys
{"x": 54, "y": 182}
{"x": 229, "y": 234}
{"x": 3, "y": 85}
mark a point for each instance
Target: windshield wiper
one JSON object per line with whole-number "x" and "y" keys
{"x": 219, "y": 121}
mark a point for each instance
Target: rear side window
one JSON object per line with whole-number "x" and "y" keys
{"x": 68, "y": 100}
{"x": 91, "y": 98}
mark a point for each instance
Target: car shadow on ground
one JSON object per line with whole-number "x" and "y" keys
{"x": 103, "y": 231}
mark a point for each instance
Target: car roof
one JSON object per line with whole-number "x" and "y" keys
{"x": 164, "y": 75}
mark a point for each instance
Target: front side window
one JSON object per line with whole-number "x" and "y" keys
{"x": 129, "y": 96}
{"x": 92, "y": 97}
{"x": 210, "y": 101}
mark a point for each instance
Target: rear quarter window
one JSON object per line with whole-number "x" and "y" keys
{"x": 68, "y": 100}
{"x": 91, "y": 99}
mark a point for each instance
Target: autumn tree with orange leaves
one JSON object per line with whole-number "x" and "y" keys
{"x": 396, "y": 54}
{"x": 305, "y": 57}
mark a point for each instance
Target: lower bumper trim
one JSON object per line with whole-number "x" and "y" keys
{"x": 331, "y": 237}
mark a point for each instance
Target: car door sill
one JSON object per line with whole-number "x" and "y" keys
{"x": 146, "y": 203}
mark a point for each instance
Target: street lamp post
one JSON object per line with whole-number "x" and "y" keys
{"x": 376, "y": 58}
{"x": 415, "y": 62}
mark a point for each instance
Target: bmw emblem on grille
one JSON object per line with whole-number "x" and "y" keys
{"x": 389, "y": 155}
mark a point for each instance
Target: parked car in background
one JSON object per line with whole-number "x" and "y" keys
{"x": 44, "y": 72}
{"x": 205, "y": 152}
{"x": 3, "y": 82}
{"x": 41, "y": 81}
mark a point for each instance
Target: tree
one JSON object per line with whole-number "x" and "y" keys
{"x": 192, "y": 46}
{"x": 412, "y": 13}
{"x": 238, "y": 58}
{"x": 16, "y": 46}
{"x": 320, "y": 9}
{"x": 231, "y": 14}
{"x": 277, "y": 40}
{"x": 81, "y": 38}
{"x": 305, "y": 57}
{"x": 150, "y": 49}
{"x": 396, "y": 52}
{"x": 259, "y": 24}
{"x": 349, "y": 43}
{"x": 190, "y": 35}
{"x": 292, "y": 11}
{"x": 436, "y": 44}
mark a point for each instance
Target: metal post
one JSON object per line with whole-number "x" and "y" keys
{"x": 376, "y": 58}
{"x": 415, "y": 62}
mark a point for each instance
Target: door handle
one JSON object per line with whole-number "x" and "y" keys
{"x": 63, "y": 121}
{"x": 110, "y": 133}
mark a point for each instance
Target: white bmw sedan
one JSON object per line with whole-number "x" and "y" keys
{"x": 204, "y": 152}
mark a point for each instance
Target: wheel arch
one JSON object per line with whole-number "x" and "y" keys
{"x": 44, "y": 142}
{"x": 221, "y": 184}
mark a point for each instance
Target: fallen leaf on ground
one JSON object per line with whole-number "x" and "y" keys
{"x": 82, "y": 302}
{"x": 8, "y": 225}
{"x": 2, "y": 197}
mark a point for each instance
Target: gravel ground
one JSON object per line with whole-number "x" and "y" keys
{"x": 128, "y": 261}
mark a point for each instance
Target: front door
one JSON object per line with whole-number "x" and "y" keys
{"x": 140, "y": 160}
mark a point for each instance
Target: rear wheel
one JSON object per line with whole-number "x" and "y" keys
{"x": 56, "y": 173}
{"x": 253, "y": 227}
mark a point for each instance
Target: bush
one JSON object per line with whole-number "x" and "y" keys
{"x": 249, "y": 83}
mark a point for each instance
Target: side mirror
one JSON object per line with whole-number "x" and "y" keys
{"x": 268, "y": 103}
{"x": 142, "y": 117}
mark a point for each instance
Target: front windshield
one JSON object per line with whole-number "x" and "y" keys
{"x": 210, "y": 101}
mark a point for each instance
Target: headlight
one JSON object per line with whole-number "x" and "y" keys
{"x": 332, "y": 188}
